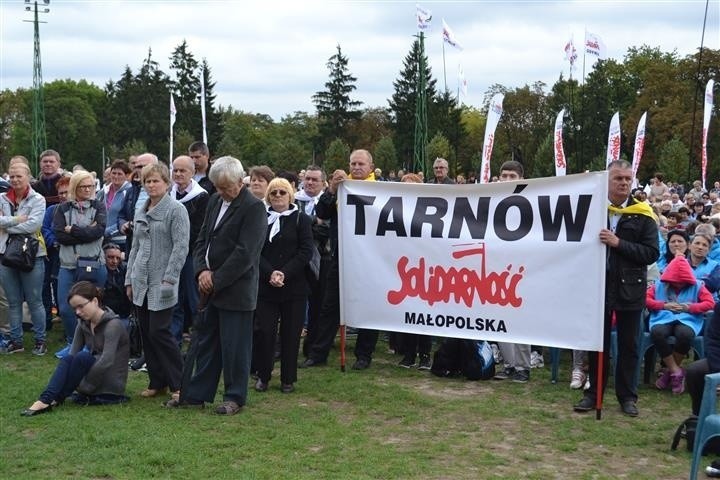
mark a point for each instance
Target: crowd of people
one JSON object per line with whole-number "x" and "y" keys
{"x": 248, "y": 261}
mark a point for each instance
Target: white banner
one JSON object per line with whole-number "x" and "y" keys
{"x": 707, "y": 112}
{"x": 560, "y": 164}
{"x": 424, "y": 18}
{"x": 173, "y": 113}
{"x": 462, "y": 81}
{"x": 639, "y": 145}
{"x": 613, "y": 148}
{"x": 493, "y": 117}
{"x": 515, "y": 262}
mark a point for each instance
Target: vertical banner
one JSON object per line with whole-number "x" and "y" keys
{"x": 707, "y": 112}
{"x": 560, "y": 164}
{"x": 424, "y": 17}
{"x": 571, "y": 54}
{"x": 494, "y": 112}
{"x": 202, "y": 104}
{"x": 613, "y": 148}
{"x": 463, "y": 87}
{"x": 173, "y": 113}
{"x": 639, "y": 145}
{"x": 474, "y": 261}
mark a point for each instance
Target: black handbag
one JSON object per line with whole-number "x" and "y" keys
{"x": 20, "y": 252}
{"x": 88, "y": 269}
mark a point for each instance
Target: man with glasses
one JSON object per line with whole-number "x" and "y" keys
{"x": 440, "y": 170}
{"x": 115, "y": 297}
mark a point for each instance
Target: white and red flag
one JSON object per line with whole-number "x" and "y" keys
{"x": 613, "y": 148}
{"x": 560, "y": 164}
{"x": 595, "y": 46}
{"x": 707, "y": 112}
{"x": 493, "y": 117}
{"x": 449, "y": 36}
{"x": 639, "y": 145}
{"x": 571, "y": 53}
{"x": 424, "y": 17}
{"x": 462, "y": 81}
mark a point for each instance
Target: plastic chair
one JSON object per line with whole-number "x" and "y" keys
{"x": 708, "y": 425}
{"x": 646, "y": 344}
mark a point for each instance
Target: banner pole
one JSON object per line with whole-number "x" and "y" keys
{"x": 598, "y": 399}
{"x": 342, "y": 348}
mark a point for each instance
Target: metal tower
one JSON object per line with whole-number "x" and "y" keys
{"x": 39, "y": 138}
{"x": 419, "y": 154}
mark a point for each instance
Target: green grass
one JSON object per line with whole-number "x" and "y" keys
{"x": 385, "y": 422}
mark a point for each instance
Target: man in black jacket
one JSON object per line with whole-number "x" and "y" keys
{"x": 632, "y": 245}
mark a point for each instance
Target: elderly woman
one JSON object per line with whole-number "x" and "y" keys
{"x": 227, "y": 256}
{"x": 284, "y": 287}
{"x": 79, "y": 227}
{"x": 21, "y": 213}
{"x": 113, "y": 196}
{"x": 260, "y": 177}
{"x": 157, "y": 256}
{"x": 96, "y": 366}
{"x": 677, "y": 304}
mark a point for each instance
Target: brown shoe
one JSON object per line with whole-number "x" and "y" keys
{"x": 153, "y": 392}
{"x": 227, "y": 408}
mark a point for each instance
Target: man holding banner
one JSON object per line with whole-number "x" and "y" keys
{"x": 632, "y": 245}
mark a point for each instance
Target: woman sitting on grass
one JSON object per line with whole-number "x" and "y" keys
{"x": 677, "y": 304}
{"x": 97, "y": 363}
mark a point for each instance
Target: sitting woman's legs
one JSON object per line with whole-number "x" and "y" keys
{"x": 67, "y": 376}
{"x": 684, "y": 337}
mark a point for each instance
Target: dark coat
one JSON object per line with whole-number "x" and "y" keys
{"x": 235, "y": 247}
{"x": 290, "y": 251}
{"x": 626, "y": 277}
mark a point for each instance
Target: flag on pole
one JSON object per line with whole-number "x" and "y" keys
{"x": 424, "y": 17}
{"x": 613, "y": 148}
{"x": 571, "y": 53}
{"x": 449, "y": 36}
{"x": 707, "y": 112}
{"x": 202, "y": 104}
{"x": 493, "y": 117}
{"x": 560, "y": 164}
{"x": 639, "y": 145}
{"x": 462, "y": 80}
{"x": 173, "y": 113}
{"x": 595, "y": 46}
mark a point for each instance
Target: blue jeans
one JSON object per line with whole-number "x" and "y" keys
{"x": 66, "y": 279}
{"x": 67, "y": 376}
{"x": 25, "y": 286}
{"x": 187, "y": 300}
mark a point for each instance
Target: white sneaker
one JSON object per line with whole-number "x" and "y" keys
{"x": 536, "y": 360}
{"x": 577, "y": 380}
{"x": 496, "y": 353}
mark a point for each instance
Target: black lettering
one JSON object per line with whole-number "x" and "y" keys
{"x": 490, "y": 324}
{"x": 526, "y": 217}
{"x": 552, "y": 221}
{"x": 463, "y": 214}
{"x": 421, "y": 320}
{"x": 501, "y": 327}
{"x": 429, "y": 320}
{"x": 393, "y": 206}
{"x": 479, "y": 324}
{"x": 410, "y": 318}
{"x": 422, "y": 216}
{"x": 460, "y": 322}
{"x": 450, "y": 321}
{"x": 360, "y": 201}
{"x": 439, "y": 321}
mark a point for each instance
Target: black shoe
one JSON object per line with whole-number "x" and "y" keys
{"x": 138, "y": 364}
{"x": 361, "y": 364}
{"x": 287, "y": 388}
{"x": 507, "y": 372}
{"x": 407, "y": 362}
{"x": 261, "y": 386}
{"x": 425, "y": 362}
{"x": 629, "y": 408}
{"x": 31, "y": 413}
{"x": 584, "y": 405}
{"x": 310, "y": 362}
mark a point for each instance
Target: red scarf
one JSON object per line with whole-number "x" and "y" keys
{"x": 13, "y": 198}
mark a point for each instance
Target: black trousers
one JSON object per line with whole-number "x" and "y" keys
{"x": 413, "y": 343}
{"x": 628, "y": 328}
{"x": 683, "y": 334}
{"x": 695, "y": 382}
{"x": 365, "y": 344}
{"x": 322, "y": 335}
{"x": 315, "y": 302}
{"x": 292, "y": 317}
{"x": 162, "y": 355}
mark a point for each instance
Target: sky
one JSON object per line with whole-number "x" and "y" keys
{"x": 270, "y": 57}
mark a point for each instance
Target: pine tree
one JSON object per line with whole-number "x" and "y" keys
{"x": 213, "y": 117}
{"x": 186, "y": 90}
{"x": 334, "y": 106}
{"x": 402, "y": 104}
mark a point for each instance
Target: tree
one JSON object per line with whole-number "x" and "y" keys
{"x": 374, "y": 124}
{"x": 212, "y": 115}
{"x": 384, "y": 155}
{"x": 336, "y": 156}
{"x": 673, "y": 161}
{"x": 445, "y": 118}
{"x": 439, "y": 146}
{"x": 186, "y": 90}
{"x": 334, "y": 106}
{"x": 402, "y": 103}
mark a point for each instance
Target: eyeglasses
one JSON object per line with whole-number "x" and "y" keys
{"x": 86, "y": 187}
{"x": 80, "y": 307}
{"x": 278, "y": 193}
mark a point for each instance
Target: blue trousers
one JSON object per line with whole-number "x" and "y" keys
{"x": 66, "y": 279}
{"x": 67, "y": 376}
{"x": 187, "y": 300}
{"x": 25, "y": 286}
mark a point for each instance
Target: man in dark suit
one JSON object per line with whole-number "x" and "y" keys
{"x": 227, "y": 256}
{"x": 632, "y": 245}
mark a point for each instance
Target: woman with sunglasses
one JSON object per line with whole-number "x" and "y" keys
{"x": 96, "y": 366}
{"x": 79, "y": 227}
{"x": 283, "y": 288}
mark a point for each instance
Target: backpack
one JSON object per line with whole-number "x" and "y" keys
{"x": 686, "y": 430}
{"x": 471, "y": 358}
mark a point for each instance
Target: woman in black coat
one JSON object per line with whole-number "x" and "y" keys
{"x": 283, "y": 288}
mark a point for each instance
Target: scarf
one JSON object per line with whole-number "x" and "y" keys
{"x": 13, "y": 197}
{"x": 639, "y": 208}
{"x": 193, "y": 190}
{"x": 273, "y": 217}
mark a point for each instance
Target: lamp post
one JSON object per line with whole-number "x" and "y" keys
{"x": 39, "y": 138}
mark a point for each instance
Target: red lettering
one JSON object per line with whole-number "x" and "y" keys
{"x": 442, "y": 284}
